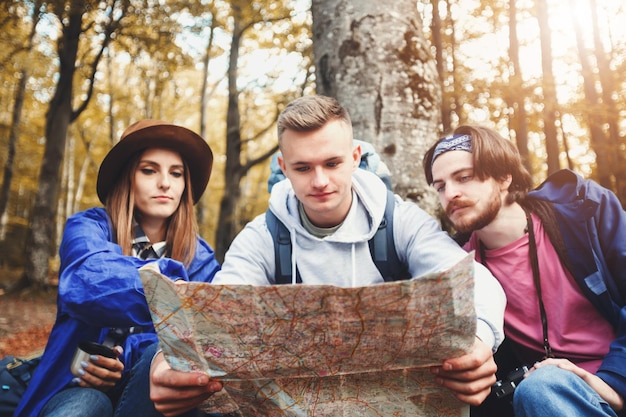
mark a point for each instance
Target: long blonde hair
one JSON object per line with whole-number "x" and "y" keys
{"x": 181, "y": 231}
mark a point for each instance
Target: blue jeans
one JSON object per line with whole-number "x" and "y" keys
{"x": 78, "y": 401}
{"x": 135, "y": 396}
{"x": 135, "y": 399}
{"x": 552, "y": 391}
{"x": 130, "y": 399}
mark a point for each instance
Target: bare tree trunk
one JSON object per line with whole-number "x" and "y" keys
{"x": 592, "y": 109}
{"x": 436, "y": 30}
{"x": 453, "y": 92}
{"x": 549, "y": 88}
{"x": 70, "y": 178}
{"x": 372, "y": 56}
{"x": 41, "y": 231}
{"x": 517, "y": 95}
{"x": 7, "y": 179}
{"x": 570, "y": 163}
{"x": 112, "y": 98}
{"x": 237, "y": 165}
{"x": 204, "y": 97}
{"x": 82, "y": 177}
{"x": 610, "y": 109}
{"x": 40, "y": 239}
{"x": 18, "y": 104}
{"x": 226, "y": 225}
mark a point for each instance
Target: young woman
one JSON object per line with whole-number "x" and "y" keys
{"x": 148, "y": 182}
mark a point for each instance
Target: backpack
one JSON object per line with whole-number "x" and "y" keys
{"x": 15, "y": 374}
{"x": 382, "y": 246}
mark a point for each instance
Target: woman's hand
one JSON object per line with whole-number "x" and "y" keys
{"x": 100, "y": 372}
{"x": 602, "y": 388}
{"x": 175, "y": 392}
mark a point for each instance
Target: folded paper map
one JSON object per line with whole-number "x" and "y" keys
{"x": 319, "y": 350}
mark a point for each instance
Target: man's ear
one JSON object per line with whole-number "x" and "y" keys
{"x": 356, "y": 157}
{"x": 281, "y": 163}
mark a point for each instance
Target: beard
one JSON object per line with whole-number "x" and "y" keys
{"x": 477, "y": 219}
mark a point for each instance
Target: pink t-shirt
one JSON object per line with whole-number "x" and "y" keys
{"x": 576, "y": 330}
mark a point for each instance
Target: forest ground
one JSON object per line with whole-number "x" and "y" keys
{"x": 26, "y": 319}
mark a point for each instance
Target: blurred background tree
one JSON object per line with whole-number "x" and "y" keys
{"x": 549, "y": 74}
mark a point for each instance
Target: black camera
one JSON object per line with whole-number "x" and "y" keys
{"x": 505, "y": 387}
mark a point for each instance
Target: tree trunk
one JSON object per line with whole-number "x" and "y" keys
{"x": 549, "y": 88}
{"x": 373, "y": 58}
{"x": 436, "y": 30}
{"x": 237, "y": 165}
{"x": 454, "y": 101}
{"x": 592, "y": 109}
{"x": 18, "y": 104}
{"x": 226, "y": 227}
{"x": 204, "y": 98}
{"x": 610, "y": 109}
{"x": 41, "y": 232}
{"x": 517, "y": 94}
{"x": 7, "y": 178}
{"x": 82, "y": 177}
{"x": 40, "y": 239}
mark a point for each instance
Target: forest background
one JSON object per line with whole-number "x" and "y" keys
{"x": 548, "y": 74}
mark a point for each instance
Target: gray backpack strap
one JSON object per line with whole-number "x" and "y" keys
{"x": 383, "y": 247}
{"x": 282, "y": 249}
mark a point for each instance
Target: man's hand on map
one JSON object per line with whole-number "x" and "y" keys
{"x": 470, "y": 376}
{"x": 174, "y": 392}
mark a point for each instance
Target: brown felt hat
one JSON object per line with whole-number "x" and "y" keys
{"x": 148, "y": 133}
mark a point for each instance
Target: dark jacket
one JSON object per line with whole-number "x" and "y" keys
{"x": 592, "y": 223}
{"x": 100, "y": 288}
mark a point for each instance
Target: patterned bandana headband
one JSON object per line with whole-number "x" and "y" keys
{"x": 453, "y": 143}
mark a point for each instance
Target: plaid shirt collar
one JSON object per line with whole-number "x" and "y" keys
{"x": 142, "y": 248}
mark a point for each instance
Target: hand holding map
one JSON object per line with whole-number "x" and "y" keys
{"x": 304, "y": 350}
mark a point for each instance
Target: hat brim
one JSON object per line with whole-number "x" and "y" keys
{"x": 194, "y": 150}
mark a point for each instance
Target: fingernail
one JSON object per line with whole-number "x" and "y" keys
{"x": 81, "y": 372}
{"x": 215, "y": 386}
{"x": 93, "y": 357}
{"x": 84, "y": 364}
{"x": 75, "y": 381}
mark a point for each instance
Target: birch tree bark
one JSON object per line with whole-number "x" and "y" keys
{"x": 372, "y": 57}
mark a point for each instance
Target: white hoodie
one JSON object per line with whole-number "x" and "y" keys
{"x": 343, "y": 258}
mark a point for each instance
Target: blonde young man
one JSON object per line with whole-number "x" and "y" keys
{"x": 560, "y": 254}
{"x": 332, "y": 209}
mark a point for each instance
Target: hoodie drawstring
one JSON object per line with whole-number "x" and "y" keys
{"x": 353, "y": 266}
{"x": 292, "y": 234}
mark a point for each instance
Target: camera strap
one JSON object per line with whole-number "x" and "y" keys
{"x": 534, "y": 264}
